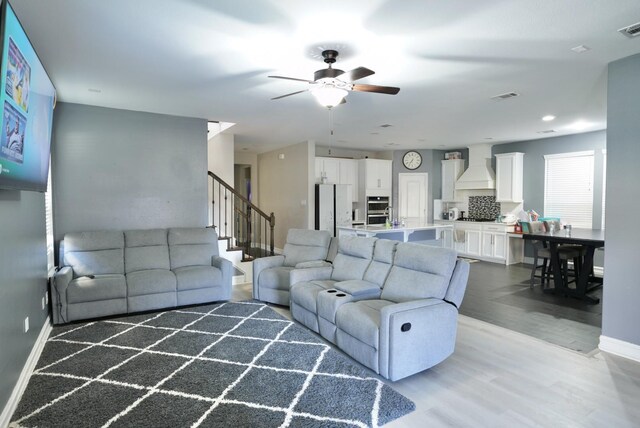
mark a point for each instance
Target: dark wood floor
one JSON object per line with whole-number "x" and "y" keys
{"x": 501, "y": 295}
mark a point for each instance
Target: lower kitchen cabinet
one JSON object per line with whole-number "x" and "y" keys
{"x": 490, "y": 242}
{"x": 494, "y": 244}
{"x": 473, "y": 242}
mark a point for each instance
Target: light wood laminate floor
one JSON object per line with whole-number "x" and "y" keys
{"x": 501, "y": 378}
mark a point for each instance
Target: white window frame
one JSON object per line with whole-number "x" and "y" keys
{"x": 584, "y": 221}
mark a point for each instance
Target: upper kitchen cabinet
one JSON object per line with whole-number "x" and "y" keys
{"x": 509, "y": 177}
{"x": 451, "y": 171}
{"x": 375, "y": 177}
{"x": 338, "y": 171}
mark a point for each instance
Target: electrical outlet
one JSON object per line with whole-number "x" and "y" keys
{"x": 43, "y": 303}
{"x": 26, "y": 324}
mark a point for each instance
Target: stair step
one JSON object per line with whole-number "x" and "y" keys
{"x": 235, "y": 249}
{"x": 220, "y": 238}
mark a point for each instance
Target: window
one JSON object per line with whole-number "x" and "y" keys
{"x": 568, "y": 188}
{"x": 48, "y": 209}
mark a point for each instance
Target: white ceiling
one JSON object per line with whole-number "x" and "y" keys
{"x": 211, "y": 59}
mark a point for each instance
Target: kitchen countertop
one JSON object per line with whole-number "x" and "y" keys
{"x": 411, "y": 232}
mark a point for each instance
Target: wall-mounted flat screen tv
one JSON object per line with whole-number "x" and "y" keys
{"x": 27, "y": 98}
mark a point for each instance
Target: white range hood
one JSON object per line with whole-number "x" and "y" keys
{"x": 479, "y": 175}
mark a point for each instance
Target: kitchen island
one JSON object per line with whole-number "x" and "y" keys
{"x": 411, "y": 232}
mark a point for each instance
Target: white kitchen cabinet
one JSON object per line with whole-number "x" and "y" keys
{"x": 445, "y": 235}
{"x": 494, "y": 245}
{"x": 451, "y": 171}
{"x": 338, "y": 171}
{"x": 473, "y": 242}
{"x": 349, "y": 175}
{"x": 509, "y": 177}
{"x": 375, "y": 177}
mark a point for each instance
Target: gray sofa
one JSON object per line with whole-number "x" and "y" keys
{"x": 303, "y": 249}
{"x": 391, "y": 306}
{"x": 115, "y": 272}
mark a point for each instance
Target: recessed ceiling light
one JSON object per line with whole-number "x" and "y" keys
{"x": 580, "y": 125}
{"x": 548, "y": 118}
{"x": 581, "y": 49}
{"x": 94, "y": 90}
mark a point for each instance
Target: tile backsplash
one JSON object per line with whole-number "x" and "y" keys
{"x": 483, "y": 207}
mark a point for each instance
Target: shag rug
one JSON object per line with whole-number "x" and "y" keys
{"x": 234, "y": 364}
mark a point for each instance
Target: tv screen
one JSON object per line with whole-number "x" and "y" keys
{"x": 27, "y": 98}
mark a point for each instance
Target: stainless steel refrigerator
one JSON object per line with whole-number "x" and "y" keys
{"x": 333, "y": 206}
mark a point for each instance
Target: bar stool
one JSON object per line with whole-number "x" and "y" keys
{"x": 565, "y": 254}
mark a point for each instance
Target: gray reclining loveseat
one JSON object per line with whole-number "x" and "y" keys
{"x": 115, "y": 272}
{"x": 391, "y": 306}
{"x": 304, "y": 248}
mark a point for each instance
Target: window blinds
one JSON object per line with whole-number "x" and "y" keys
{"x": 568, "y": 188}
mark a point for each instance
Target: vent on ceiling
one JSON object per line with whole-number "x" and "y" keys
{"x": 386, "y": 125}
{"x": 631, "y": 31}
{"x": 548, "y": 131}
{"x": 505, "y": 96}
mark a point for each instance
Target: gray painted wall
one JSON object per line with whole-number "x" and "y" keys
{"x": 119, "y": 169}
{"x": 621, "y": 292}
{"x": 23, "y": 273}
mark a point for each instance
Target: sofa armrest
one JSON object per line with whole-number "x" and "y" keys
{"x": 311, "y": 274}
{"x": 415, "y": 335}
{"x": 227, "y": 273}
{"x": 261, "y": 264}
{"x": 59, "y": 284}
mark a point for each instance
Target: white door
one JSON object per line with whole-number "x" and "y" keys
{"x": 412, "y": 197}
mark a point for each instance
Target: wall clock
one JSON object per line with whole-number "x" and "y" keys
{"x": 412, "y": 160}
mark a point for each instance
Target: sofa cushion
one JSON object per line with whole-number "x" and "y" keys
{"x": 101, "y": 287}
{"x": 144, "y": 258}
{"x": 192, "y": 247}
{"x": 192, "y": 277}
{"x": 419, "y": 272}
{"x": 277, "y": 277}
{"x": 94, "y": 253}
{"x": 353, "y": 258}
{"x": 151, "y": 281}
{"x": 380, "y": 266}
{"x": 362, "y": 320}
{"x": 145, "y": 237}
{"x": 305, "y": 245}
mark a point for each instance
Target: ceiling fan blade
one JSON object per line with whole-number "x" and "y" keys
{"x": 375, "y": 88}
{"x": 355, "y": 74}
{"x": 288, "y": 95}
{"x": 292, "y": 78}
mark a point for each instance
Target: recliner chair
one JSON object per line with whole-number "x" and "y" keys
{"x": 303, "y": 249}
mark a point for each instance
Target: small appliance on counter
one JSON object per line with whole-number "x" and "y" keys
{"x": 454, "y": 213}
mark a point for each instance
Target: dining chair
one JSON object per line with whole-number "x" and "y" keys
{"x": 565, "y": 254}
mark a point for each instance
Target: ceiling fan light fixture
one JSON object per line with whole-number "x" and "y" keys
{"x": 329, "y": 96}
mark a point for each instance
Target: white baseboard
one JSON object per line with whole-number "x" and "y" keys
{"x": 620, "y": 348}
{"x": 23, "y": 380}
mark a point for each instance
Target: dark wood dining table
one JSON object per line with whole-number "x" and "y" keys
{"x": 590, "y": 239}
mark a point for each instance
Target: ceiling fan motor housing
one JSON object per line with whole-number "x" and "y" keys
{"x": 330, "y": 73}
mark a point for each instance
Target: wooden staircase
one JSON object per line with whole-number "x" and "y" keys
{"x": 242, "y": 224}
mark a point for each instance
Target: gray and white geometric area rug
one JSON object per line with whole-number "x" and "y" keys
{"x": 234, "y": 364}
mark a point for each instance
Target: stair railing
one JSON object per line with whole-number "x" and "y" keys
{"x": 237, "y": 219}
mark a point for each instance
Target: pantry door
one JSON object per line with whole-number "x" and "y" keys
{"x": 412, "y": 197}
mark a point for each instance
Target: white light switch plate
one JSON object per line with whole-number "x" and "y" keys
{"x": 26, "y": 324}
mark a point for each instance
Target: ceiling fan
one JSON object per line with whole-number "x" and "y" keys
{"x": 330, "y": 86}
